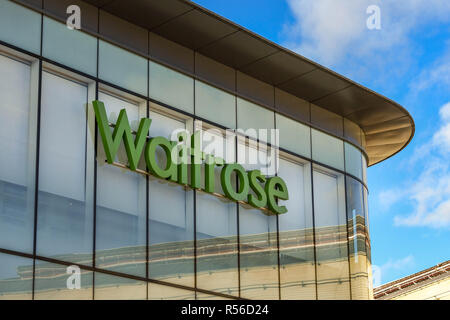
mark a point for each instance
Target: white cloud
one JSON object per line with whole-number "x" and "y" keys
{"x": 380, "y": 272}
{"x": 335, "y": 31}
{"x": 437, "y": 75}
{"x": 430, "y": 192}
{"x": 398, "y": 264}
{"x": 387, "y": 198}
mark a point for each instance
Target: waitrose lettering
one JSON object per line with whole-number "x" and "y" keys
{"x": 185, "y": 154}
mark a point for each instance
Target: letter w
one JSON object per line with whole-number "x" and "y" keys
{"x": 111, "y": 143}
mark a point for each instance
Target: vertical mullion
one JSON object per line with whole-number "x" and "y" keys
{"x": 236, "y": 141}
{"x": 346, "y": 223}
{"x": 366, "y": 234}
{"x": 277, "y": 216}
{"x": 147, "y": 185}
{"x": 38, "y": 127}
{"x": 313, "y": 205}
{"x": 94, "y": 247}
{"x": 194, "y": 190}
{"x": 36, "y": 180}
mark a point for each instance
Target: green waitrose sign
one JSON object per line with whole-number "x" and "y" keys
{"x": 176, "y": 168}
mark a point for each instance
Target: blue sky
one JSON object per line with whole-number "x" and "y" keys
{"x": 407, "y": 60}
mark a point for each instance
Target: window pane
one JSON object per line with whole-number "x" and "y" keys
{"x": 160, "y": 292}
{"x": 327, "y": 120}
{"x": 17, "y": 159}
{"x": 108, "y": 287}
{"x": 327, "y": 149}
{"x": 353, "y": 161}
{"x": 252, "y": 117}
{"x": 20, "y": 26}
{"x": 331, "y": 235}
{"x": 217, "y": 250}
{"x": 59, "y": 282}
{"x": 215, "y": 105}
{"x": 171, "y": 213}
{"x": 364, "y": 169}
{"x": 205, "y": 296}
{"x": 121, "y": 203}
{"x": 258, "y": 247}
{"x": 357, "y": 239}
{"x": 367, "y": 226}
{"x": 352, "y": 131}
{"x": 294, "y": 136}
{"x": 123, "y": 68}
{"x": 297, "y": 273}
{"x": 258, "y": 254}
{"x": 72, "y": 48}
{"x": 171, "y": 87}
{"x": 16, "y": 277}
{"x": 64, "y": 220}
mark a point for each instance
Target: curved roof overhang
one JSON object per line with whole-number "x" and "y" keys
{"x": 388, "y": 127}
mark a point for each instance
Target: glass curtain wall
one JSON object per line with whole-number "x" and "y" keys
{"x": 148, "y": 228}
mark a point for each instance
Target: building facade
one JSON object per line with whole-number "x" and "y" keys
{"x": 76, "y": 226}
{"x": 429, "y": 284}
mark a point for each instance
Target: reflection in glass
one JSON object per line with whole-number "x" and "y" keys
{"x": 368, "y": 246}
{"x": 121, "y": 203}
{"x": 258, "y": 243}
{"x": 217, "y": 252}
{"x": 294, "y": 136}
{"x": 17, "y": 156}
{"x": 353, "y": 161}
{"x": 16, "y": 277}
{"x": 331, "y": 235}
{"x": 251, "y": 117}
{"x": 171, "y": 87}
{"x": 217, "y": 249}
{"x": 327, "y": 149}
{"x": 20, "y": 26}
{"x": 108, "y": 287}
{"x": 160, "y": 292}
{"x": 357, "y": 239}
{"x": 59, "y": 282}
{"x": 123, "y": 68}
{"x": 171, "y": 218}
{"x": 258, "y": 254}
{"x": 297, "y": 269}
{"x": 65, "y": 222}
{"x": 72, "y": 48}
{"x": 206, "y": 296}
{"x": 364, "y": 169}
{"x": 215, "y": 105}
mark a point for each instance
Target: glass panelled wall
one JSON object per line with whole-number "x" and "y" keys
{"x": 216, "y": 221}
{"x": 330, "y": 234}
{"x": 171, "y": 214}
{"x": 103, "y": 231}
{"x": 296, "y": 233}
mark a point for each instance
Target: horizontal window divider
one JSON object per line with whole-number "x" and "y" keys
{"x": 17, "y": 253}
{"x": 113, "y": 273}
{"x": 70, "y": 69}
{"x": 13, "y": 47}
{"x": 128, "y": 91}
{"x": 165, "y": 105}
